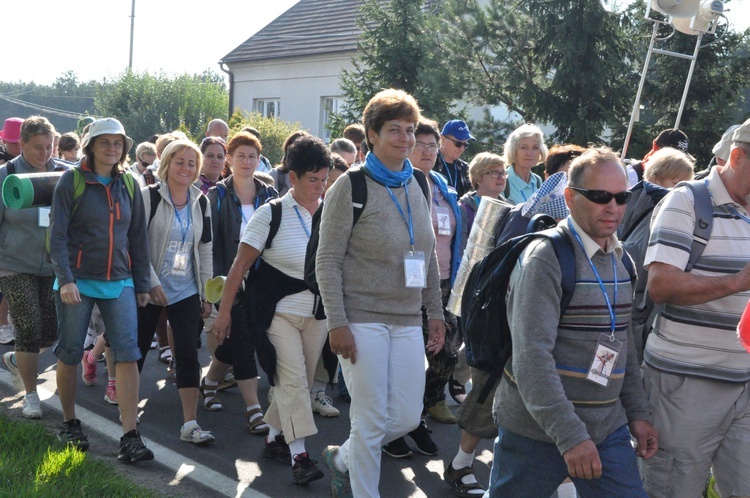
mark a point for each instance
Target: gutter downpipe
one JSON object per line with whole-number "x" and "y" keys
{"x": 225, "y": 69}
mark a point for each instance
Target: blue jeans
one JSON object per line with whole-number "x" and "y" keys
{"x": 533, "y": 469}
{"x": 120, "y": 322}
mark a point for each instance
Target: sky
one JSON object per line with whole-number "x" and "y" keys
{"x": 92, "y": 37}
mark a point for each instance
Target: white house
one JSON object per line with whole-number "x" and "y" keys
{"x": 290, "y": 69}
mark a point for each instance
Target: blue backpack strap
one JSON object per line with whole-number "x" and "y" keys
{"x": 566, "y": 256}
{"x": 221, "y": 192}
{"x": 704, "y": 218}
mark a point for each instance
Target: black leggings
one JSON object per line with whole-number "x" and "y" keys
{"x": 238, "y": 349}
{"x": 184, "y": 318}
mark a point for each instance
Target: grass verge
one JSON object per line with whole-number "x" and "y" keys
{"x": 34, "y": 464}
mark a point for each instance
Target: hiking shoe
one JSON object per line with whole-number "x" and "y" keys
{"x": 421, "y": 436}
{"x": 441, "y": 413}
{"x": 72, "y": 433}
{"x": 194, "y": 434}
{"x": 341, "y": 487}
{"x": 456, "y": 390}
{"x": 132, "y": 448}
{"x": 305, "y": 470}
{"x": 15, "y": 375}
{"x": 7, "y": 337}
{"x": 110, "y": 395}
{"x": 398, "y": 449}
{"x": 278, "y": 450}
{"x": 323, "y": 404}
{"x": 89, "y": 369}
{"x": 32, "y": 408}
{"x": 228, "y": 381}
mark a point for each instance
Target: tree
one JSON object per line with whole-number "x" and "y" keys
{"x": 398, "y": 49}
{"x": 716, "y": 98}
{"x": 273, "y": 132}
{"x": 550, "y": 61}
{"x": 148, "y": 104}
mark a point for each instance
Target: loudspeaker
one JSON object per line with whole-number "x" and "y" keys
{"x": 677, "y": 8}
{"x": 707, "y": 12}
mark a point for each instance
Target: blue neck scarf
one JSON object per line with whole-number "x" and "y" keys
{"x": 381, "y": 174}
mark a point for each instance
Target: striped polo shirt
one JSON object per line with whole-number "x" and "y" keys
{"x": 701, "y": 339}
{"x": 287, "y": 252}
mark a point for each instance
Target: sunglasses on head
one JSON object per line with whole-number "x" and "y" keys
{"x": 460, "y": 145}
{"x": 604, "y": 197}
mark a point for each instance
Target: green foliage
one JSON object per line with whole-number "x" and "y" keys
{"x": 273, "y": 132}
{"x": 398, "y": 48}
{"x": 34, "y": 464}
{"x": 717, "y": 95}
{"x": 148, "y": 104}
{"x": 550, "y": 61}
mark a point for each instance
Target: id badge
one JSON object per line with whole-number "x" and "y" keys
{"x": 414, "y": 269}
{"x": 443, "y": 220}
{"x": 605, "y": 359}
{"x": 44, "y": 213}
{"x": 180, "y": 265}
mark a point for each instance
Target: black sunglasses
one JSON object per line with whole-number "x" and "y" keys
{"x": 604, "y": 197}
{"x": 460, "y": 145}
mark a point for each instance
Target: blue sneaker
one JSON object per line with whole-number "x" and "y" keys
{"x": 340, "y": 485}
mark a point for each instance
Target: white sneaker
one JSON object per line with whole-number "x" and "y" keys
{"x": 7, "y": 359}
{"x": 7, "y": 337}
{"x": 193, "y": 434}
{"x": 32, "y": 408}
{"x": 323, "y": 404}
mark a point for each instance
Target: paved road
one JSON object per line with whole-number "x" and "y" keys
{"x": 233, "y": 465}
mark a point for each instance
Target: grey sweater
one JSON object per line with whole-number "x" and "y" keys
{"x": 544, "y": 394}
{"x": 360, "y": 269}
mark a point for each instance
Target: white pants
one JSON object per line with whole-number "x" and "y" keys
{"x": 387, "y": 386}
{"x": 298, "y": 341}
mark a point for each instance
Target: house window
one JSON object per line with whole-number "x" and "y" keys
{"x": 328, "y": 107}
{"x": 268, "y": 108}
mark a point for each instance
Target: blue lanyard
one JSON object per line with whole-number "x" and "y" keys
{"x": 239, "y": 206}
{"x": 435, "y": 195}
{"x": 302, "y": 222}
{"x": 177, "y": 214}
{"x": 408, "y": 221}
{"x": 451, "y": 180}
{"x": 610, "y": 308}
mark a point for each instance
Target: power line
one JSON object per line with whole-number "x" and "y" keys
{"x": 39, "y": 107}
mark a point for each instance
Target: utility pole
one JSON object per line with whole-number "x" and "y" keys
{"x": 132, "y": 29}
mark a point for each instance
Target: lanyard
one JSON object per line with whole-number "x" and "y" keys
{"x": 435, "y": 195}
{"x": 610, "y": 308}
{"x": 177, "y": 214}
{"x": 451, "y": 179}
{"x": 409, "y": 224}
{"x": 302, "y": 222}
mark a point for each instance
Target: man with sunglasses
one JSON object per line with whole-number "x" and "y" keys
{"x": 697, "y": 374}
{"x": 455, "y": 138}
{"x": 560, "y": 411}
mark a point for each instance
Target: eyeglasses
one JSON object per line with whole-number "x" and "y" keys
{"x": 604, "y": 197}
{"x": 495, "y": 174}
{"x": 460, "y": 145}
{"x": 145, "y": 164}
{"x": 424, "y": 146}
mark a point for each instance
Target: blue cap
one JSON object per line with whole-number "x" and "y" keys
{"x": 457, "y": 129}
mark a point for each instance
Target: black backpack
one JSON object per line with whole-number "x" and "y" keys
{"x": 359, "y": 199}
{"x": 484, "y": 319}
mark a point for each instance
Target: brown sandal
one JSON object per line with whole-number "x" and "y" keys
{"x": 454, "y": 479}
{"x": 257, "y": 425}
{"x": 211, "y": 400}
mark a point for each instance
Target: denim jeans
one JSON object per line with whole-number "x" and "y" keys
{"x": 120, "y": 322}
{"x": 527, "y": 468}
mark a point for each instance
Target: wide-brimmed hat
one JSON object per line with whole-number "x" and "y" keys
{"x": 723, "y": 146}
{"x": 11, "y": 131}
{"x": 106, "y": 126}
{"x": 742, "y": 134}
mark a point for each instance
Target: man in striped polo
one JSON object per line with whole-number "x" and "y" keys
{"x": 697, "y": 375}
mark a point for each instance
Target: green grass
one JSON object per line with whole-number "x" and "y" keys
{"x": 34, "y": 464}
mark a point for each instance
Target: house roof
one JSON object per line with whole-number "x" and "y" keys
{"x": 309, "y": 27}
